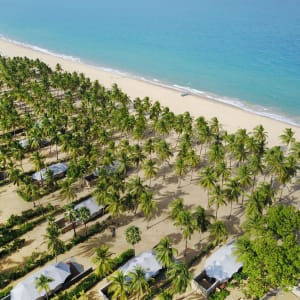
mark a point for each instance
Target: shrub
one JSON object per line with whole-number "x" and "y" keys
{"x": 12, "y": 247}
{"x": 5, "y": 292}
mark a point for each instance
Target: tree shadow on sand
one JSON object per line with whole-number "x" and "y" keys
{"x": 175, "y": 238}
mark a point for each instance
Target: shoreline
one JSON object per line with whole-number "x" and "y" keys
{"x": 231, "y": 116}
{"x": 231, "y": 101}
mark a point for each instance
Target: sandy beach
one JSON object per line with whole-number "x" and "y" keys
{"x": 231, "y": 119}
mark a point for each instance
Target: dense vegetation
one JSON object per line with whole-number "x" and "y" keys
{"x": 96, "y": 127}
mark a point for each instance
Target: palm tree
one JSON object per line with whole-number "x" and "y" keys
{"x": 164, "y": 252}
{"x": 244, "y": 176}
{"x": 67, "y": 190}
{"x": 71, "y": 214}
{"x": 39, "y": 162}
{"x": 222, "y": 171}
{"x": 119, "y": 287}
{"x": 232, "y": 192}
{"x": 217, "y": 198}
{"x": 287, "y": 137}
{"x": 179, "y": 276}
{"x": 138, "y": 282}
{"x": 55, "y": 246}
{"x": 103, "y": 261}
{"x": 181, "y": 168}
{"x": 202, "y": 219}
{"x": 133, "y": 235}
{"x": 148, "y": 206}
{"x": 176, "y": 207}
{"x": 42, "y": 283}
{"x": 165, "y": 295}
{"x": 84, "y": 216}
{"x": 218, "y": 232}
{"x": 150, "y": 169}
{"x": 207, "y": 180}
{"x": 187, "y": 224}
{"x": 163, "y": 150}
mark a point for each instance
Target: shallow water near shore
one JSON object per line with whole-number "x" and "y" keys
{"x": 246, "y": 51}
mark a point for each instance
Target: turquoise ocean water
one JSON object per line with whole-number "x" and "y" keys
{"x": 243, "y": 52}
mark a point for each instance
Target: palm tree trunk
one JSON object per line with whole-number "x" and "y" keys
{"x": 185, "y": 247}
{"x": 230, "y": 210}
{"x": 85, "y": 229}
{"x": 73, "y": 224}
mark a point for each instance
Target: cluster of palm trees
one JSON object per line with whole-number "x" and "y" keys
{"x": 95, "y": 127}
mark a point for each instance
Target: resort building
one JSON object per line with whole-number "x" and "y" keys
{"x": 146, "y": 260}
{"x": 60, "y": 273}
{"x": 58, "y": 169}
{"x": 219, "y": 268}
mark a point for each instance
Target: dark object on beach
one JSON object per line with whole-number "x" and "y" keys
{"x": 113, "y": 231}
{"x": 184, "y": 94}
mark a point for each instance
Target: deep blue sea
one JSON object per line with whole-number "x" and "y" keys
{"x": 244, "y": 52}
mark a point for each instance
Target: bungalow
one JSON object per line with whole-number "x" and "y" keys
{"x": 146, "y": 260}
{"x": 60, "y": 273}
{"x": 59, "y": 170}
{"x": 219, "y": 268}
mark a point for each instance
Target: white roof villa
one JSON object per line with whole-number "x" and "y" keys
{"x": 146, "y": 260}
{"x": 223, "y": 263}
{"x": 26, "y": 289}
{"x": 58, "y": 169}
{"x": 92, "y": 205}
{"x": 219, "y": 268}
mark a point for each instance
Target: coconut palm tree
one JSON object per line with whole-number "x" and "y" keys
{"x": 84, "y": 216}
{"x": 180, "y": 168}
{"x": 103, "y": 261}
{"x": 202, "y": 219}
{"x": 176, "y": 207}
{"x": 218, "y": 232}
{"x": 288, "y": 137}
{"x": 222, "y": 171}
{"x": 150, "y": 169}
{"x": 71, "y": 214}
{"x": 187, "y": 224}
{"x": 133, "y": 235}
{"x": 42, "y": 284}
{"x": 148, "y": 206}
{"x": 39, "y": 161}
{"x": 164, "y": 252}
{"x": 179, "y": 276}
{"x": 217, "y": 198}
{"x": 138, "y": 283}
{"x": 244, "y": 176}
{"x": 207, "y": 179}
{"x": 119, "y": 287}
{"x": 67, "y": 190}
{"x": 232, "y": 192}
{"x": 55, "y": 246}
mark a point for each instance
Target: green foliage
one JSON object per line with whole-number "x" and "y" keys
{"x": 12, "y": 247}
{"x": 133, "y": 235}
{"x": 219, "y": 295}
{"x": 270, "y": 250}
{"x": 5, "y": 292}
{"x": 29, "y": 214}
